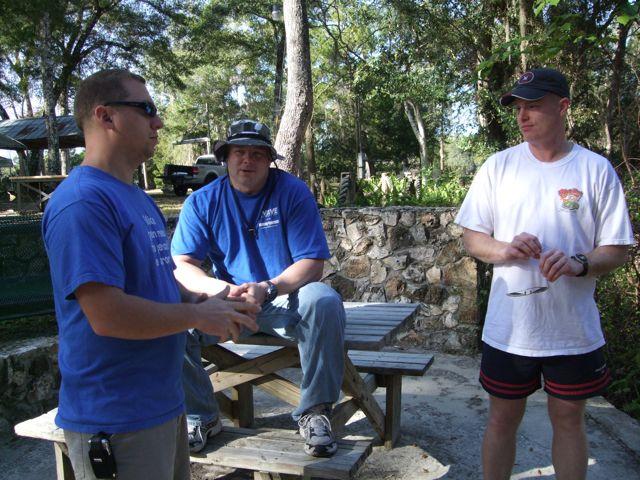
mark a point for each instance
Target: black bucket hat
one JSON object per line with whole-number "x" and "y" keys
{"x": 535, "y": 84}
{"x": 246, "y": 132}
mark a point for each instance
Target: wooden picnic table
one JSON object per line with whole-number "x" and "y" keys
{"x": 35, "y": 184}
{"x": 369, "y": 327}
{"x": 271, "y": 452}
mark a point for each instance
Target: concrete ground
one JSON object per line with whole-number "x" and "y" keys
{"x": 442, "y": 424}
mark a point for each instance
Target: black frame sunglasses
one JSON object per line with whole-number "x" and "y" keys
{"x": 149, "y": 108}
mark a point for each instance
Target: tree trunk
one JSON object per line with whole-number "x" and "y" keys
{"x": 143, "y": 182}
{"x": 442, "y": 152}
{"x": 412, "y": 110}
{"x": 523, "y": 20}
{"x": 64, "y": 153}
{"x": 360, "y": 156}
{"x": 311, "y": 159}
{"x": 612, "y": 112}
{"x": 49, "y": 99}
{"x": 280, "y": 37}
{"x": 299, "y": 104}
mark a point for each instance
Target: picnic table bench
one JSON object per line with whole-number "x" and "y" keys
{"x": 237, "y": 368}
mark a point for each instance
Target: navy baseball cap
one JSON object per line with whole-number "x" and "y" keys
{"x": 246, "y": 132}
{"x": 535, "y": 84}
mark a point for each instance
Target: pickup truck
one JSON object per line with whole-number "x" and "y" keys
{"x": 182, "y": 177}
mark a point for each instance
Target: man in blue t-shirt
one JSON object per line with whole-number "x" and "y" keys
{"x": 262, "y": 232}
{"x": 118, "y": 305}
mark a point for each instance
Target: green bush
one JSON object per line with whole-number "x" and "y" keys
{"x": 447, "y": 191}
{"x": 618, "y": 296}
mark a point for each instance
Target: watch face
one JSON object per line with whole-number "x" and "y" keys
{"x": 272, "y": 292}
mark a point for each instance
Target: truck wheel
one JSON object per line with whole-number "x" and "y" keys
{"x": 209, "y": 179}
{"x": 180, "y": 191}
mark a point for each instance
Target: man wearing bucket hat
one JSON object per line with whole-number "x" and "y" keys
{"x": 261, "y": 230}
{"x": 560, "y": 209}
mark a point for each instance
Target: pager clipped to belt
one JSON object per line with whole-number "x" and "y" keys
{"x": 101, "y": 456}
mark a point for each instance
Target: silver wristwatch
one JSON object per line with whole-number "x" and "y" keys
{"x": 272, "y": 292}
{"x": 580, "y": 258}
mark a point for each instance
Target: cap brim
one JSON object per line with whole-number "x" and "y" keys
{"x": 524, "y": 93}
{"x": 253, "y": 142}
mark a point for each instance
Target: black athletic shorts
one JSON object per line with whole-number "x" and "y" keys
{"x": 570, "y": 377}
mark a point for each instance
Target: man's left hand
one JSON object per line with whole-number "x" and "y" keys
{"x": 555, "y": 263}
{"x": 253, "y": 292}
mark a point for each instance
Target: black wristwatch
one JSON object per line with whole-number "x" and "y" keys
{"x": 272, "y": 292}
{"x": 580, "y": 258}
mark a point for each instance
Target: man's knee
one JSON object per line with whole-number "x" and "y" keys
{"x": 319, "y": 295}
{"x": 566, "y": 414}
{"x": 505, "y": 415}
{"x": 319, "y": 302}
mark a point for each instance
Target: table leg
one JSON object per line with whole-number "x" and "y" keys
{"x": 64, "y": 471}
{"x": 242, "y": 405}
{"x": 354, "y": 386}
{"x": 393, "y": 385}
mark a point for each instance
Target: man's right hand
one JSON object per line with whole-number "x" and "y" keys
{"x": 523, "y": 246}
{"x": 225, "y": 318}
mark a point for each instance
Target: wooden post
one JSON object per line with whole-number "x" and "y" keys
{"x": 64, "y": 471}
{"x": 393, "y": 384}
{"x": 242, "y": 398}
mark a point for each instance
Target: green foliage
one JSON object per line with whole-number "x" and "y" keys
{"x": 449, "y": 190}
{"x": 618, "y": 296}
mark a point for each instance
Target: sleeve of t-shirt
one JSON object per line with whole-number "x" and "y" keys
{"x": 192, "y": 233}
{"x": 613, "y": 226}
{"x": 476, "y": 211}
{"x": 84, "y": 243}
{"x": 305, "y": 234}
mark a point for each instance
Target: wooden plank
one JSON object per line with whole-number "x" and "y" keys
{"x": 354, "y": 386}
{"x": 280, "y": 452}
{"x": 242, "y": 405}
{"x": 64, "y": 470}
{"x": 390, "y": 362}
{"x": 256, "y": 368}
{"x": 393, "y": 408}
{"x": 42, "y": 427}
{"x": 279, "y": 387}
{"x": 347, "y": 407}
{"x": 224, "y": 404}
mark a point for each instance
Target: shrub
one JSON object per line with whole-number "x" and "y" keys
{"x": 618, "y": 296}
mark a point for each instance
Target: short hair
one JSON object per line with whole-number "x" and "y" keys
{"x": 99, "y": 88}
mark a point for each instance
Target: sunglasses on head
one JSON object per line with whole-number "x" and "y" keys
{"x": 149, "y": 108}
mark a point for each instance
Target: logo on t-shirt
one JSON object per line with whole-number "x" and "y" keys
{"x": 570, "y": 198}
{"x": 269, "y": 218}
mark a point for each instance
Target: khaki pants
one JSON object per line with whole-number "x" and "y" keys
{"x": 157, "y": 453}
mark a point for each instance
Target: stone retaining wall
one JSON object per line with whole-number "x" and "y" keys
{"x": 407, "y": 254}
{"x": 29, "y": 379}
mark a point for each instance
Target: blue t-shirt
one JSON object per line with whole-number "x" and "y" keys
{"x": 251, "y": 238}
{"x": 99, "y": 229}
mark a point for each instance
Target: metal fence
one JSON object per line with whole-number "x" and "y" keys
{"x": 25, "y": 283}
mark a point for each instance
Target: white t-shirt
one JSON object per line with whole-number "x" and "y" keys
{"x": 573, "y": 204}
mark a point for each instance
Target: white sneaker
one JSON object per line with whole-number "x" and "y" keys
{"x": 198, "y": 433}
{"x": 315, "y": 428}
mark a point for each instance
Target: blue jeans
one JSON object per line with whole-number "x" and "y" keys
{"x": 313, "y": 317}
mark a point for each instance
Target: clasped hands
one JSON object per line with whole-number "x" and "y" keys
{"x": 553, "y": 263}
{"x": 227, "y": 312}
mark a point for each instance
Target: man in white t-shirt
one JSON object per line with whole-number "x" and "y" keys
{"x": 551, "y": 216}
